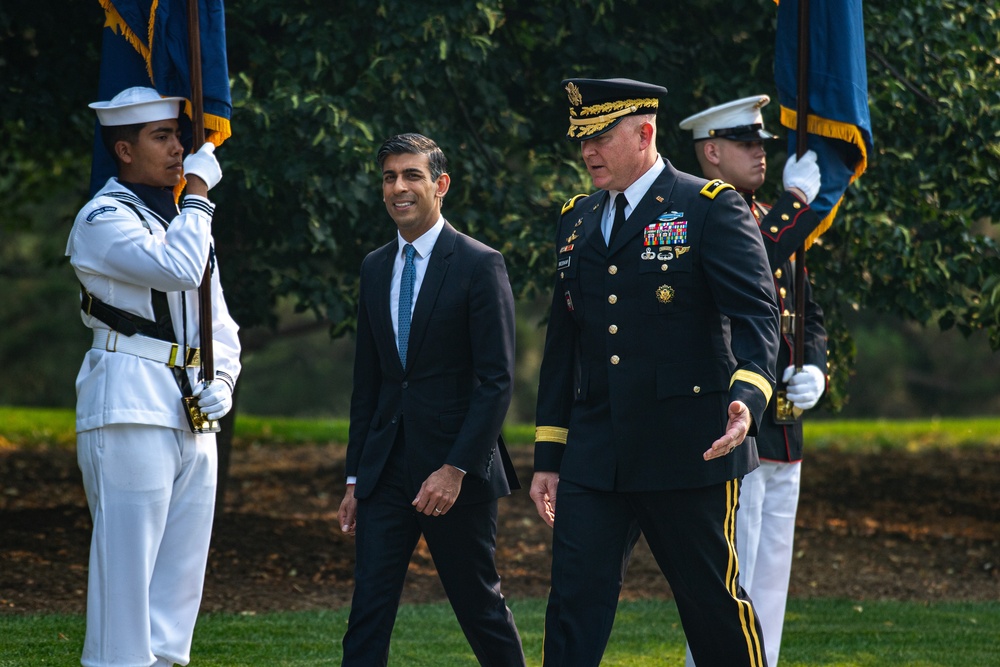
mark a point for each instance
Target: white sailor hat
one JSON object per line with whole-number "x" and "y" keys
{"x": 136, "y": 105}
{"x": 739, "y": 120}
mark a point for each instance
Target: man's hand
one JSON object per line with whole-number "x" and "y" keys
{"x": 214, "y": 399}
{"x": 543, "y": 492}
{"x": 803, "y": 175}
{"x": 804, "y": 387}
{"x": 348, "y": 512}
{"x": 736, "y": 431}
{"x": 439, "y": 492}
{"x": 203, "y": 165}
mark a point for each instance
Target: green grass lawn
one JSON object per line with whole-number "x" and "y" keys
{"x": 818, "y": 633}
{"x": 26, "y": 427}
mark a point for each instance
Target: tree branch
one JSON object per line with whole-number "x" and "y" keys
{"x": 912, "y": 87}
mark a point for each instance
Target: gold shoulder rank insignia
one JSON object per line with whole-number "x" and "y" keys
{"x": 568, "y": 206}
{"x": 713, "y": 188}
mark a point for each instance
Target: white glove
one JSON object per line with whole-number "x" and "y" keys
{"x": 805, "y": 387}
{"x": 215, "y": 399}
{"x": 204, "y": 165}
{"x": 803, "y": 174}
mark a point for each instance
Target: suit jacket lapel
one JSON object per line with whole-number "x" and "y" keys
{"x": 654, "y": 202}
{"x": 437, "y": 268}
{"x": 591, "y": 224}
{"x": 380, "y": 307}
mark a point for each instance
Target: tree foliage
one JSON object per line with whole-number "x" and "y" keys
{"x": 318, "y": 85}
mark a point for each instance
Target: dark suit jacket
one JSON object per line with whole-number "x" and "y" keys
{"x": 650, "y": 340}
{"x": 452, "y": 398}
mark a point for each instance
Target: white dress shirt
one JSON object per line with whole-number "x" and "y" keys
{"x": 633, "y": 193}
{"x": 423, "y": 245}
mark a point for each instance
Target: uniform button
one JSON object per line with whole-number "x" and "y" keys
{"x": 615, "y": 359}
{"x": 561, "y": 275}
{"x": 777, "y": 274}
{"x": 774, "y": 230}
{"x": 796, "y": 205}
{"x": 612, "y": 269}
{"x": 696, "y": 389}
{"x": 394, "y": 419}
{"x": 612, "y": 299}
{"x": 664, "y": 267}
{"x": 782, "y": 292}
{"x": 406, "y": 384}
{"x": 613, "y": 329}
{"x": 784, "y": 216}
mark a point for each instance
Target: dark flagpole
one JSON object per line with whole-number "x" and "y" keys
{"x": 198, "y": 138}
{"x": 801, "y": 146}
{"x": 199, "y": 422}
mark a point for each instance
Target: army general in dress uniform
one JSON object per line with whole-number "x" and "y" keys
{"x": 658, "y": 363}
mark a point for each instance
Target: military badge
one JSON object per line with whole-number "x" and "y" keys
{"x": 573, "y": 92}
{"x": 572, "y": 237}
{"x": 665, "y": 232}
{"x": 97, "y": 212}
{"x": 671, "y": 229}
{"x": 664, "y": 294}
{"x": 681, "y": 249}
{"x": 565, "y": 248}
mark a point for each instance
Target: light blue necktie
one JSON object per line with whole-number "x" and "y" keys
{"x": 406, "y": 282}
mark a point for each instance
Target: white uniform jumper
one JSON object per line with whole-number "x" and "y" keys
{"x": 150, "y": 482}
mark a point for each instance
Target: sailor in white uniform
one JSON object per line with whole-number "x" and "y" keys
{"x": 150, "y": 479}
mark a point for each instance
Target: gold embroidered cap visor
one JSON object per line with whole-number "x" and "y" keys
{"x": 597, "y": 105}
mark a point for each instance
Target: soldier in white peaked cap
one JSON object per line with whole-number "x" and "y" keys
{"x": 729, "y": 142}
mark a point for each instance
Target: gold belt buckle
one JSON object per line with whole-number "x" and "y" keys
{"x": 192, "y": 357}
{"x": 108, "y": 342}
{"x": 172, "y": 359}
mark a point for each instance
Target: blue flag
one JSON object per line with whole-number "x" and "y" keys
{"x": 839, "y": 124}
{"x": 145, "y": 43}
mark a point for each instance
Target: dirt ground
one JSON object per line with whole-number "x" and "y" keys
{"x": 904, "y": 526}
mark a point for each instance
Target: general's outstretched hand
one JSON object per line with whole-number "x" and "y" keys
{"x": 736, "y": 431}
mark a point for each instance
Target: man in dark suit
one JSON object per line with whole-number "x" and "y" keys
{"x": 658, "y": 363}
{"x": 433, "y": 373}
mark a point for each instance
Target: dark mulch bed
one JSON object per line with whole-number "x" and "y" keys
{"x": 905, "y": 526}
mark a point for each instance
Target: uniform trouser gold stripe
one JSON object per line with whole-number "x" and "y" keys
{"x": 732, "y": 577}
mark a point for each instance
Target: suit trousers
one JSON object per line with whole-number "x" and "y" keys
{"x": 462, "y": 544}
{"x": 151, "y": 492}
{"x": 690, "y": 533}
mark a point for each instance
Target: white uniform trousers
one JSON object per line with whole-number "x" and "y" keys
{"x": 151, "y": 492}
{"x": 765, "y": 528}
